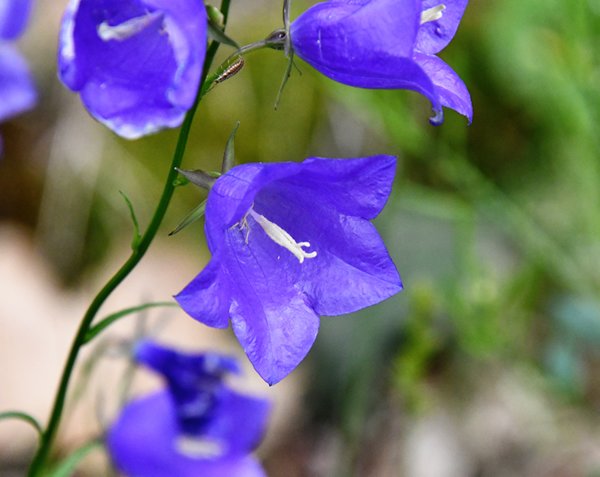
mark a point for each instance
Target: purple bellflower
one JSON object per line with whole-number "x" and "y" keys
{"x": 386, "y": 44}
{"x": 17, "y": 92}
{"x": 290, "y": 242}
{"x": 198, "y": 426}
{"x": 136, "y": 63}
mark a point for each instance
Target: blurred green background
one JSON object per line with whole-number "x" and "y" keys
{"x": 486, "y": 364}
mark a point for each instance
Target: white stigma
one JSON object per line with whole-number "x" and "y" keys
{"x": 281, "y": 237}
{"x": 198, "y": 447}
{"x": 432, "y": 14}
{"x": 128, "y": 28}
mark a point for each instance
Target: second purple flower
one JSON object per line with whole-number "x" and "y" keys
{"x": 386, "y": 44}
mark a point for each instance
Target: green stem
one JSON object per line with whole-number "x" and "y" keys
{"x": 23, "y": 417}
{"x": 49, "y": 434}
{"x": 110, "y": 319}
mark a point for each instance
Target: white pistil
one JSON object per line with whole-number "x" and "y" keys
{"x": 198, "y": 447}
{"x": 128, "y": 28}
{"x": 281, "y": 237}
{"x": 432, "y": 14}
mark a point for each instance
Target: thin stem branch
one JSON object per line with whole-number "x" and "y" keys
{"x": 23, "y": 416}
{"x": 110, "y": 319}
{"x": 80, "y": 338}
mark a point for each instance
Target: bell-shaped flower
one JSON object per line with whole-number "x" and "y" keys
{"x": 198, "y": 426}
{"x": 385, "y": 44}
{"x": 136, "y": 63}
{"x": 290, "y": 242}
{"x": 16, "y": 87}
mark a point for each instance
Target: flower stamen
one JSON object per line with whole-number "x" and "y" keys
{"x": 432, "y": 14}
{"x": 281, "y": 237}
{"x": 128, "y": 28}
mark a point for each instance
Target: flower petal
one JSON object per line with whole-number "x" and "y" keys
{"x": 358, "y": 187}
{"x": 269, "y": 316}
{"x": 178, "y": 367}
{"x": 450, "y": 88}
{"x": 137, "y": 64}
{"x": 144, "y": 441}
{"x": 16, "y": 88}
{"x": 14, "y": 15}
{"x": 206, "y": 297}
{"x": 433, "y": 36}
{"x": 383, "y": 72}
{"x": 333, "y": 34}
{"x": 233, "y": 194}
{"x": 352, "y": 269}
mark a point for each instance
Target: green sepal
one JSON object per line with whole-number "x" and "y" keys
{"x": 200, "y": 178}
{"x": 192, "y": 217}
{"x": 229, "y": 154}
{"x": 217, "y": 34}
{"x": 137, "y": 237}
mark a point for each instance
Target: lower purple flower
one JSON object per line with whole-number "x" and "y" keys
{"x": 386, "y": 44}
{"x": 197, "y": 427}
{"x": 136, "y": 63}
{"x": 16, "y": 87}
{"x": 291, "y": 242}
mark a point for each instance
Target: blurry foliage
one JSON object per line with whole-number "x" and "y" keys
{"x": 492, "y": 223}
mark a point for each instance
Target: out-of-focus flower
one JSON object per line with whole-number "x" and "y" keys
{"x": 136, "y": 63}
{"x": 198, "y": 426}
{"x": 386, "y": 44}
{"x": 17, "y": 93}
{"x": 290, "y": 242}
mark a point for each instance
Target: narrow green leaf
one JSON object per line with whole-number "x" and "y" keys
{"x": 68, "y": 466}
{"x": 136, "y": 226}
{"x": 23, "y": 416}
{"x": 286, "y": 77}
{"x": 190, "y": 218}
{"x": 229, "y": 154}
{"x": 110, "y": 319}
{"x": 217, "y": 34}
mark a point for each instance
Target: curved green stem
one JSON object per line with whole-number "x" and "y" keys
{"x": 80, "y": 338}
{"x": 99, "y": 327}
{"x": 23, "y": 416}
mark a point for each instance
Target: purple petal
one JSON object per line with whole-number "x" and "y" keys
{"x": 352, "y": 269}
{"x": 206, "y": 297}
{"x": 450, "y": 88}
{"x": 14, "y": 15}
{"x": 358, "y": 187}
{"x": 333, "y": 34}
{"x": 16, "y": 88}
{"x": 233, "y": 194}
{"x": 145, "y": 440}
{"x": 433, "y": 36}
{"x": 269, "y": 316}
{"x": 176, "y": 366}
{"x": 137, "y": 64}
{"x": 240, "y": 421}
